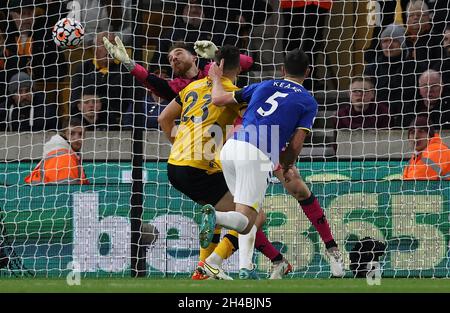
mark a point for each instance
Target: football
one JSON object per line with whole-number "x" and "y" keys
{"x": 68, "y": 33}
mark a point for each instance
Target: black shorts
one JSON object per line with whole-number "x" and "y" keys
{"x": 197, "y": 184}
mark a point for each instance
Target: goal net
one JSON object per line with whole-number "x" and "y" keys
{"x": 353, "y": 160}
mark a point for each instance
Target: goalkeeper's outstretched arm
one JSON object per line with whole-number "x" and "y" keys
{"x": 166, "y": 89}
{"x": 159, "y": 86}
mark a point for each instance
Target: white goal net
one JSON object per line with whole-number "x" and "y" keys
{"x": 66, "y": 196}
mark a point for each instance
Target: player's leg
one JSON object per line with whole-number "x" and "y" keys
{"x": 212, "y": 265}
{"x": 314, "y": 212}
{"x": 229, "y": 244}
{"x": 247, "y": 177}
{"x": 201, "y": 188}
{"x": 280, "y": 265}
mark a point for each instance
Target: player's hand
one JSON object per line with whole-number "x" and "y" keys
{"x": 205, "y": 49}
{"x": 118, "y": 51}
{"x": 288, "y": 173}
{"x": 216, "y": 71}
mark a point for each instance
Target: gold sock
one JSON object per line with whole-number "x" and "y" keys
{"x": 204, "y": 253}
{"x": 228, "y": 245}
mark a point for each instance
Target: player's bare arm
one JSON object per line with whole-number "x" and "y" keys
{"x": 167, "y": 119}
{"x": 289, "y": 156}
{"x": 219, "y": 96}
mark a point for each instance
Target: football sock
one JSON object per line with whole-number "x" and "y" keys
{"x": 315, "y": 214}
{"x": 232, "y": 220}
{"x": 263, "y": 245}
{"x": 246, "y": 248}
{"x": 205, "y": 252}
{"x": 228, "y": 245}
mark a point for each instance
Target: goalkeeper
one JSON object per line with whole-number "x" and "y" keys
{"x": 183, "y": 61}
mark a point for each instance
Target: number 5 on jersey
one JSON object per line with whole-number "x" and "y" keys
{"x": 273, "y": 103}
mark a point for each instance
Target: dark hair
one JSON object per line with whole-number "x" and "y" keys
{"x": 363, "y": 79}
{"x": 296, "y": 62}
{"x": 19, "y": 5}
{"x": 90, "y": 90}
{"x": 231, "y": 56}
{"x": 182, "y": 45}
{"x": 71, "y": 121}
{"x": 423, "y": 123}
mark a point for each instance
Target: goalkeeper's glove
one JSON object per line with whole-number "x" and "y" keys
{"x": 119, "y": 52}
{"x": 205, "y": 48}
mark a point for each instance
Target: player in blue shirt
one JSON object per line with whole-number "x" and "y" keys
{"x": 279, "y": 116}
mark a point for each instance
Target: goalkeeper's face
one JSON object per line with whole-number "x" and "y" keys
{"x": 181, "y": 61}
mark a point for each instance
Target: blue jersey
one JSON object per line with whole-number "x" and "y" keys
{"x": 276, "y": 108}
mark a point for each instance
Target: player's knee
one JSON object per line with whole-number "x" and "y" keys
{"x": 302, "y": 195}
{"x": 247, "y": 229}
{"x": 300, "y": 192}
{"x": 261, "y": 219}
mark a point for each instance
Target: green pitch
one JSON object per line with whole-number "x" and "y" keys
{"x": 187, "y": 285}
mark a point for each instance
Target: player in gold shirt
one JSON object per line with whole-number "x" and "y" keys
{"x": 202, "y": 126}
{"x": 193, "y": 167}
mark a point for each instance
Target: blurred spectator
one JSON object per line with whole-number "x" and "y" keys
{"x": 435, "y": 100}
{"x": 431, "y": 158}
{"x": 4, "y": 54}
{"x": 60, "y": 163}
{"x": 152, "y": 109}
{"x": 256, "y": 24}
{"x": 190, "y": 26}
{"x": 90, "y": 110}
{"x": 446, "y": 41}
{"x": 441, "y": 14}
{"x": 425, "y": 47}
{"x": 113, "y": 16}
{"x": 439, "y": 11}
{"x": 395, "y": 74}
{"x": 30, "y": 42}
{"x": 24, "y": 109}
{"x": 445, "y": 68}
{"x": 382, "y": 14}
{"x": 111, "y": 83}
{"x": 362, "y": 112}
{"x": 304, "y": 23}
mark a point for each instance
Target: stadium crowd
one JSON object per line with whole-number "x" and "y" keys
{"x": 406, "y": 68}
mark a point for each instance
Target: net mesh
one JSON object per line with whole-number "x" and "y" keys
{"x": 352, "y": 161}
